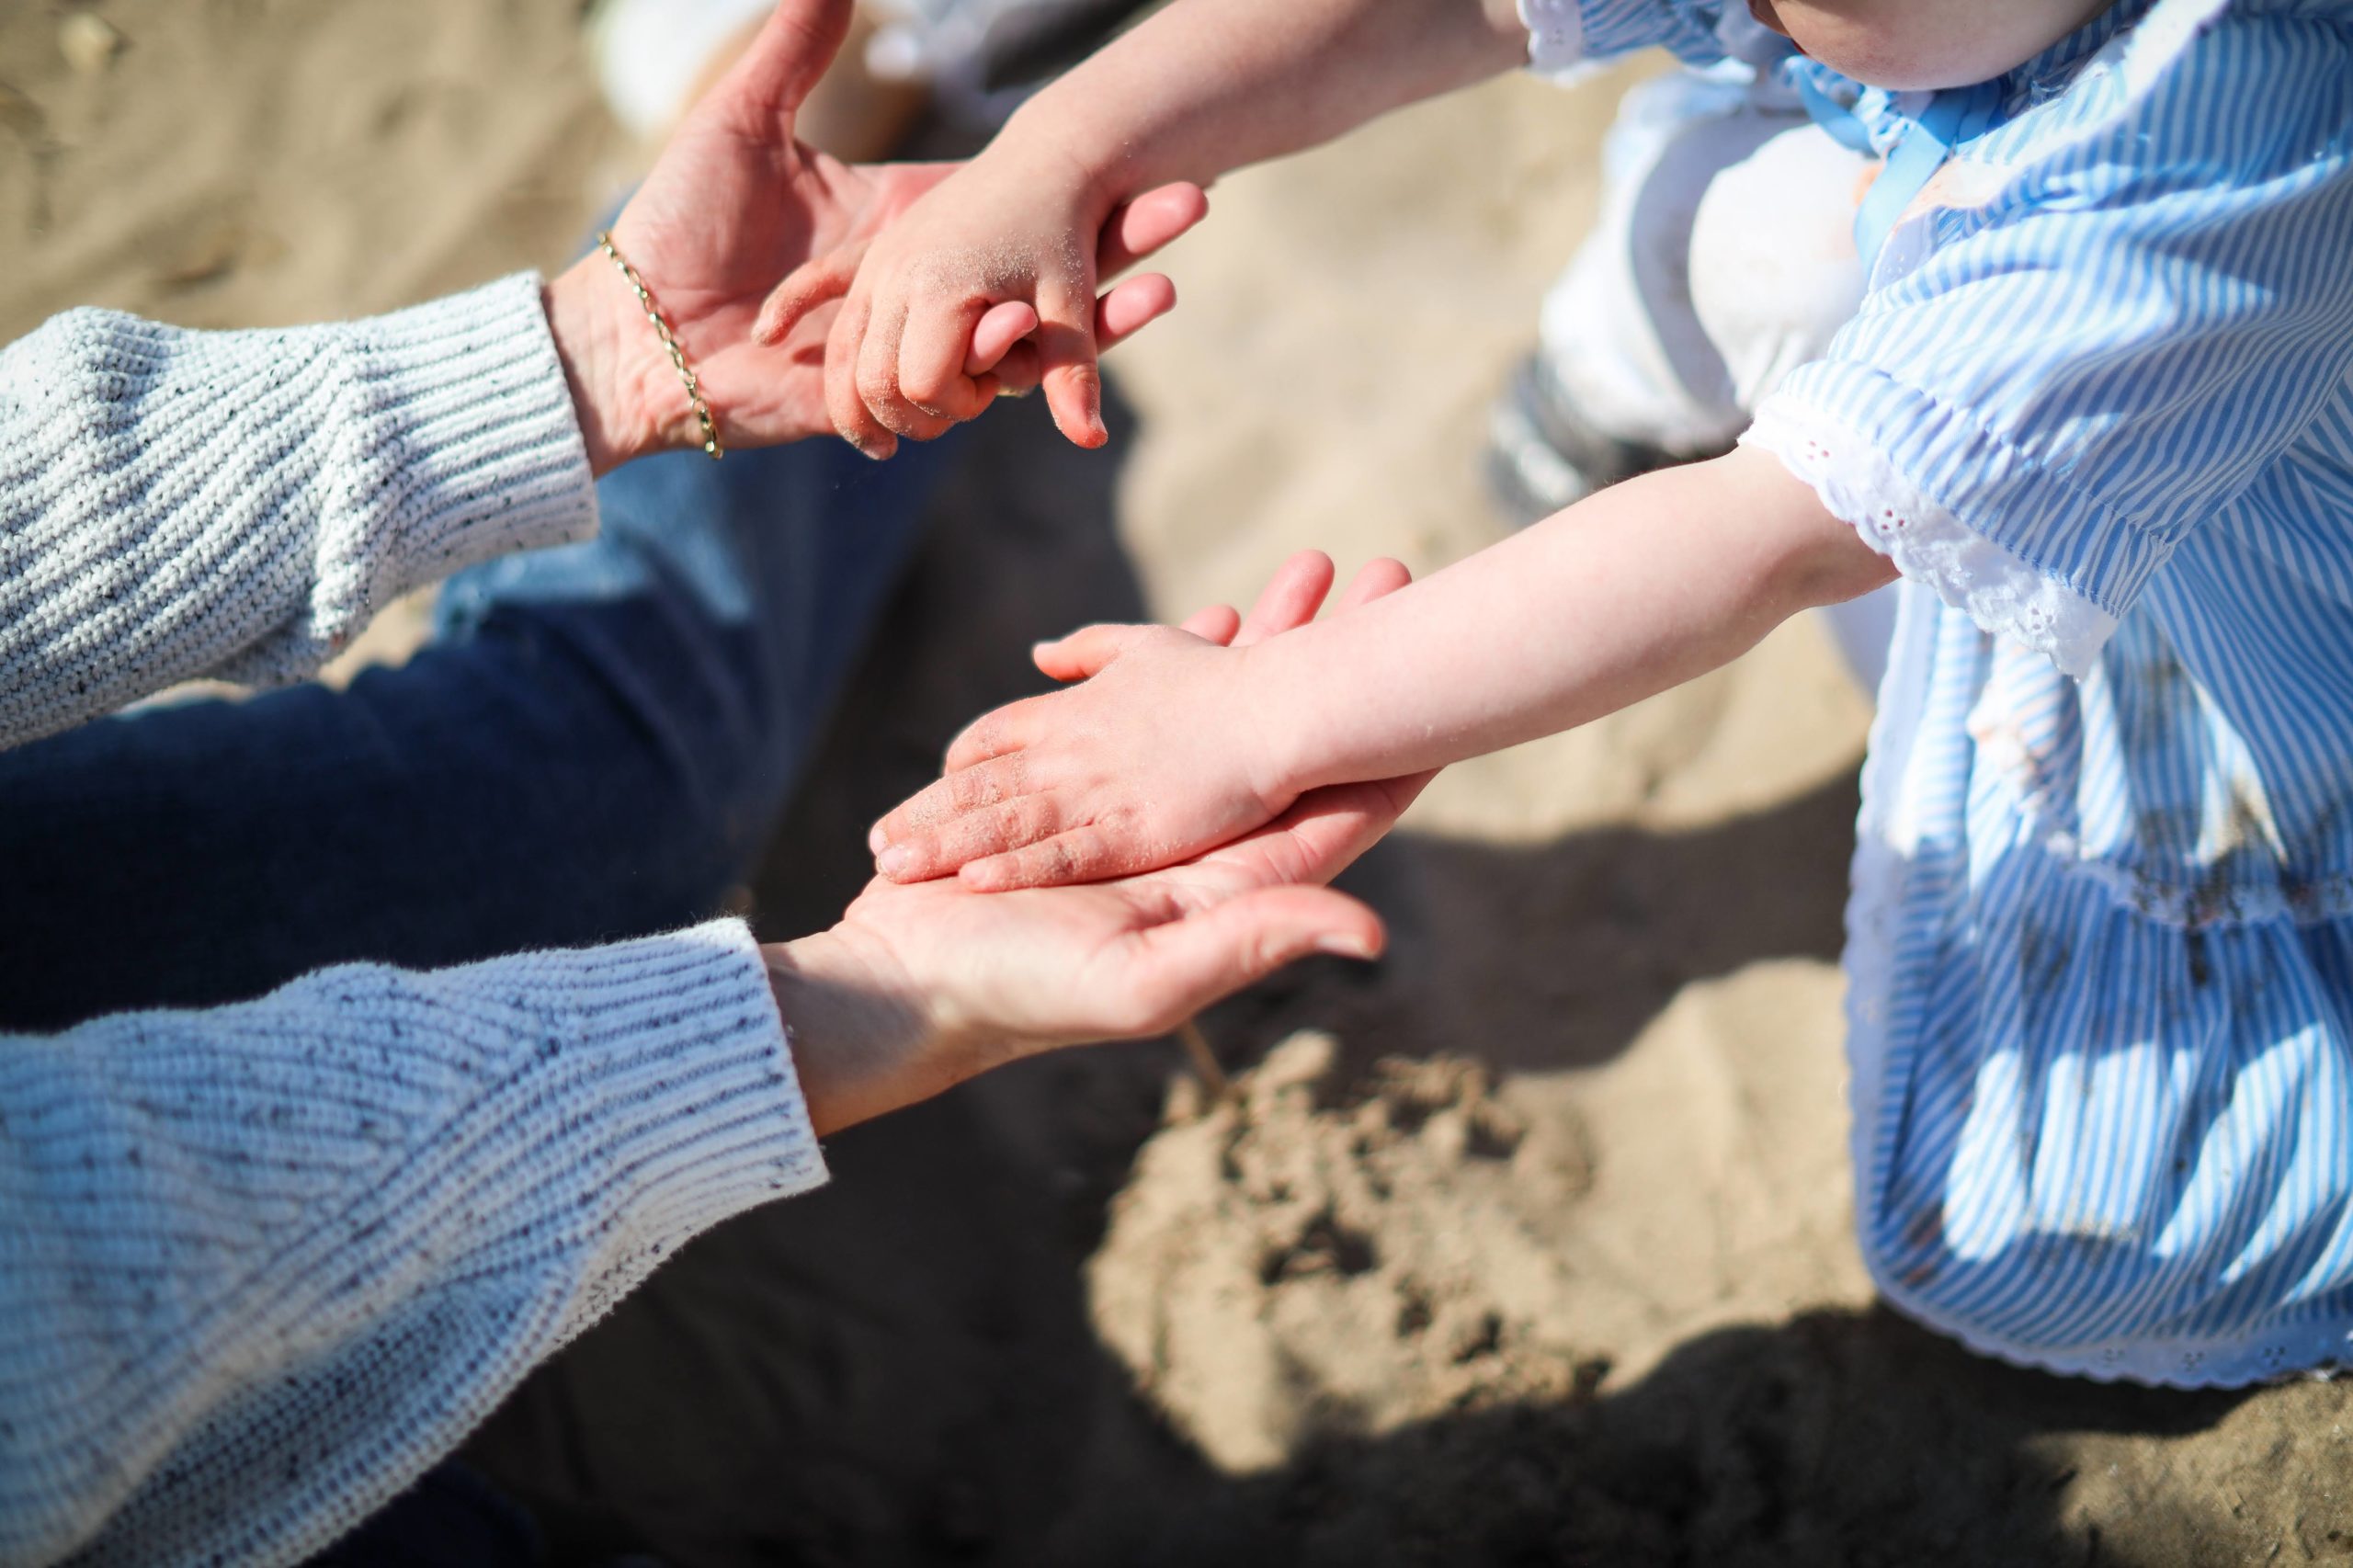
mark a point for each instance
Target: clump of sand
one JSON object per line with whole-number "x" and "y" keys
{"x": 1340, "y": 1248}
{"x": 1304, "y": 1260}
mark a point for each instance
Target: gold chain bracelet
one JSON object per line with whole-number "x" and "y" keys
{"x": 711, "y": 446}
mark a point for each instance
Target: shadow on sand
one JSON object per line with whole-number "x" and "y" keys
{"x": 900, "y": 1369}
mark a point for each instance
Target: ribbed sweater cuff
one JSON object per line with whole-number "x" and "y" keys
{"x": 485, "y": 444}
{"x": 679, "y": 1088}
{"x": 275, "y": 1258}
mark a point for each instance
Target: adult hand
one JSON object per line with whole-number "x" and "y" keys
{"x": 735, "y": 204}
{"x": 921, "y": 987}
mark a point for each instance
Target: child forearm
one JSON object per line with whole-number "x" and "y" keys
{"x": 1635, "y": 590}
{"x": 1208, "y": 85}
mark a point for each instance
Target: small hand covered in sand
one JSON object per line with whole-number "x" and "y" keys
{"x": 736, "y": 202}
{"x": 1160, "y": 755}
{"x": 1006, "y": 234}
{"x": 920, "y": 987}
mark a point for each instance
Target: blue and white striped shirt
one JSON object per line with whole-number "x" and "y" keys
{"x": 2097, "y": 406}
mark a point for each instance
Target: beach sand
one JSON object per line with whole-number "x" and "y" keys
{"x": 1530, "y": 1245}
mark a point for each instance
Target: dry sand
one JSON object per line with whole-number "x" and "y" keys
{"x": 1530, "y": 1246}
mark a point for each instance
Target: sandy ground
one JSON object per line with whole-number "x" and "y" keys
{"x": 1530, "y": 1244}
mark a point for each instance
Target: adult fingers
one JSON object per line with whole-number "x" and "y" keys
{"x": 784, "y": 60}
{"x": 1150, "y": 222}
{"x": 806, "y": 286}
{"x": 1375, "y": 579}
{"x": 1290, "y": 599}
{"x": 1068, "y": 373}
{"x": 843, "y": 405}
{"x": 1322, "y": 834}
{"x": 1326, "y": 830}
{"x": 1085, "y": 652}
{"x": 1016, "y": 373}
{"x": 1130, "y": 307}
{"x": 1122, "y": 312}
{"x": 1183, "y": 966}
{"x": 1003, "y": 327}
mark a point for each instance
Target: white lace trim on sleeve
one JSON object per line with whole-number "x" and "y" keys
{"x": 1996, "y": 588}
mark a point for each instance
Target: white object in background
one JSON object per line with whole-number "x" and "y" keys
{"x": 651, "y": 54}
{"x": 1723, "y": 258}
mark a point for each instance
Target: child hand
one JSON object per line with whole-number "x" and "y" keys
{"x": 1154, "y": 758}
{"x": 1150, "y": 761}
{"x": 1002, "y": 231}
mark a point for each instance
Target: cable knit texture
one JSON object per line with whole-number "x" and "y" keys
{"x": 177, "y": 503}
{"x": 260, "y": 1266}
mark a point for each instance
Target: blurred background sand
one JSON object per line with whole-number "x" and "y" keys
{"x": 1530, "y": 1244}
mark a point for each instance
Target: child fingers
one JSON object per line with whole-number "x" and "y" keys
{"x": 1130, "y": 307}
{"x": 990, "y": 784}
{"x": 878, "y": 378}
{"x": 1376, "y": 578}
{"x": 810, "y": 285}
{"x": 989, "y": 736}
{"x": 1124, "y": 311}
{"x": 1085, "y": 652}
{"x": 1216, "y": 624}
{"x": 1068, "y": 373}
{"x": 1290, "y": 599}
{"x": 973, "y": 835}
{"x": 996, "y": 332}
{"x": 1016, "y": 373}
{"x": 843, "y": 405}
{"x": 1083, "y": 855}
{"x": 1150, "y": 222}
{"x": 932, "y": 353}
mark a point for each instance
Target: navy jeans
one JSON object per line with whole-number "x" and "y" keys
{"x": 592, "y": 746}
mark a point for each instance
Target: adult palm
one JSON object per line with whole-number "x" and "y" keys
{"x": 950, "y": 983}
{"x": 735, "y": 203}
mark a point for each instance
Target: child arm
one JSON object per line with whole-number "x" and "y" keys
{"x": 1173, "y": 744}
{"x": 1199, "y": 88}
{"x": 1208, "y": 85}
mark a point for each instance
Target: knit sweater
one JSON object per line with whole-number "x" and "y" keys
{"x": 261, "y": 1264}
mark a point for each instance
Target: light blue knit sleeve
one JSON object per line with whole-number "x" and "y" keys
{"x": 260, "y": 1265}
{"x": 177, "y": 503}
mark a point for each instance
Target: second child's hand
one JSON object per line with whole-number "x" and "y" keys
{"x": 736, "y": 202}
{"x": 1147, "y": 762}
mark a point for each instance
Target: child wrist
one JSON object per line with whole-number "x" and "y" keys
{"x": 1046, "y": 144}
{"x": 1288, "y": 761}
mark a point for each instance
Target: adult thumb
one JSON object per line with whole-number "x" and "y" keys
{"x": 1206, "y": 957}
{"x": 786, "y": 57}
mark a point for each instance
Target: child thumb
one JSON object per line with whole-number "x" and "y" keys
{"x": 808, "y": 286}
{"x": 1084, "y": 653}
